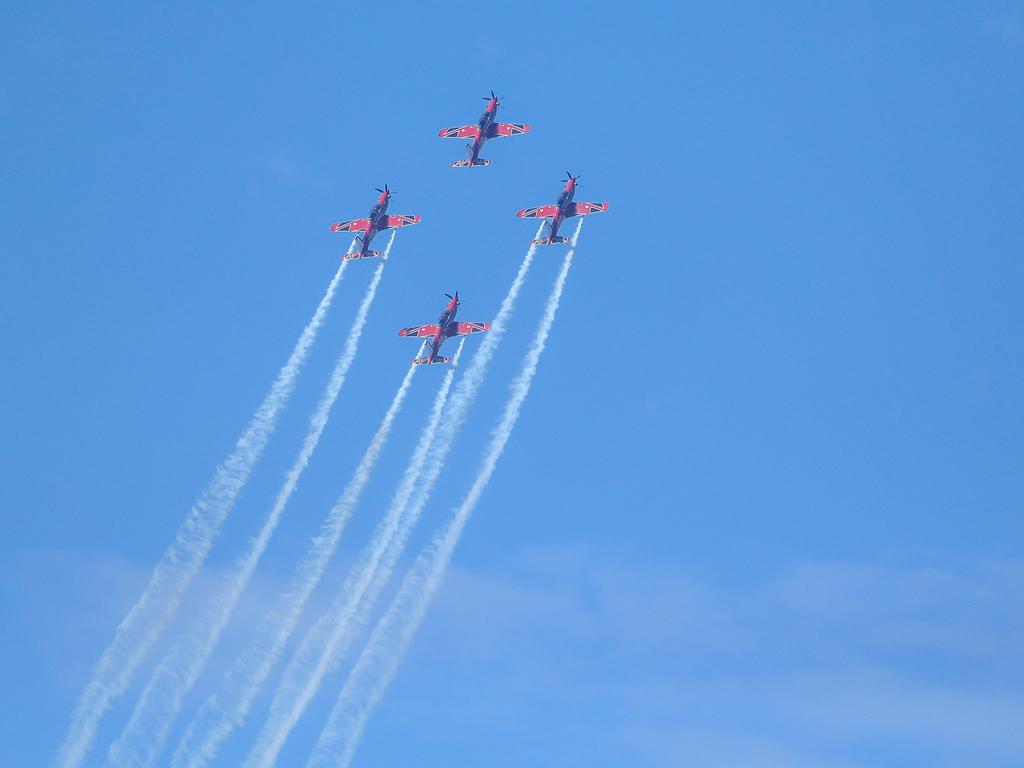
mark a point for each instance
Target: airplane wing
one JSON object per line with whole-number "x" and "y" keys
{"x": 463, "y": 329}
{"x": 540, "y": 212}
{"x": 582, "y": 209}
{"x": 401, "y": 221}
{"x": 507, "y": 129}
{"x": 419, "y": 330}
{"x": 460, "y": 132}
{"x": 356, "y": 225}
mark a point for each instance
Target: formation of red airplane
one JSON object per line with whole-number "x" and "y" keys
{"x": 563, "y": 208}
{"x": 445, "y": 328}
{"x": 486, "y": 128}
{"x": 378, "y": 220}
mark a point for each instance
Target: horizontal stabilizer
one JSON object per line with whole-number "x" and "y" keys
{"x": 360, "y": 255}
{"x": 430, "y": 360}
{"x": 465, "y": 163}
{"x": 550, "y": 240}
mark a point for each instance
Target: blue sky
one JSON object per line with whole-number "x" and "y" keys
{"x": 763, "y": 502}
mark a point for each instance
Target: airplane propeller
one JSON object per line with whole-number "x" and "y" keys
{"x": 455, "y": 297}
{"x": 385, "y": 191}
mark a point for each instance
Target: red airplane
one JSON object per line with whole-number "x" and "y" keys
{"x": 485, "y": 129}
{"x": 446, "y": 328}
{"x": 563, "y": 209}
{"x": 377, "y": 220}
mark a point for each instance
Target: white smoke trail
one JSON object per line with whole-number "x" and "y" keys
{"x": 220, "y": 714}
{"x": 298, "y": 688}
{"x": 182, "y": 560}
{"x": 160, "y": 701}
{"x": 329, "y": 636}
{"x": 379, "y": 661}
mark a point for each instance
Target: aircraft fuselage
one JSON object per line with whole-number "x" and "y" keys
{"x": 378, "y": 217}
{"x": 445, "y": 327}
{"x": 484, "y": 125}
{"x": 564, "y": 204}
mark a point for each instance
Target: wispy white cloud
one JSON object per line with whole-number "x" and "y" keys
{"x": 768, "y": 668}
{"x": 818, "y": 664}
{"x": 709, "y": 748}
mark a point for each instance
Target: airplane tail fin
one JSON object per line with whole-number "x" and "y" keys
{"x": 466, "y": 164}
{"x": 360, "y": 255}
{"x": 428, "y": 360}
{"x": 550, "y": 240}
